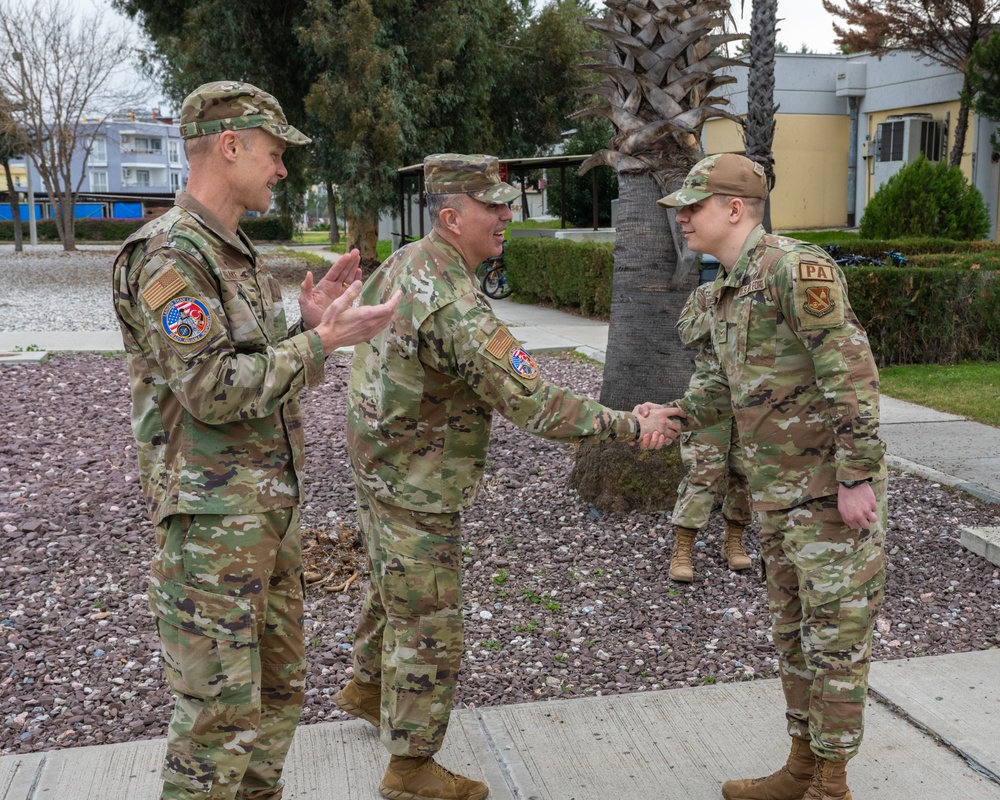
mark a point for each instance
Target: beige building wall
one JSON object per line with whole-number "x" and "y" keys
{"x": 17, "y": 174}
{"x": 810, "y": 167}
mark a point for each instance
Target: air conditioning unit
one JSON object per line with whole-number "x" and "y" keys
{"x": 127, "y": 172}
{"x": 903, "y": 138}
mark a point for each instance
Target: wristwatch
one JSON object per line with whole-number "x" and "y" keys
{"x": 852, "y": 484}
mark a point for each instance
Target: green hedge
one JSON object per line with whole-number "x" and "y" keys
{"x": 259, "y": 229}
{"x": 940, "y": 309}
{"x": 928, "y": 316}
{"x": 562, "y": 272}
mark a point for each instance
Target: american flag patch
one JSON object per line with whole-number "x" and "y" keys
{"x": 167, "y": 284}
{"x": 500, "y": 343}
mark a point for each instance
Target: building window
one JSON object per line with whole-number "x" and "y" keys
{"x": 175, "y": 181}
{"x": 99, "y": 180}
{"x": 174, "y": 149}
{"x": 99, "y": 151}
{"x": 145, "y": 145}
{"x": 142, "y": 177}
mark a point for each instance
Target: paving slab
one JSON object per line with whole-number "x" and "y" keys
{"x": 683, "y": 743}
{"x": 900, "y": 412}
{"x": 956, "y": 696}
{"x": 983, "y": 541}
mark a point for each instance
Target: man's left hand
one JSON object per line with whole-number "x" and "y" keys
{"x": 858, "y": 506}
{"x": 315, "y": 299}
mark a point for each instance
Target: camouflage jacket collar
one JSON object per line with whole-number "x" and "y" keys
{"x": 207, "y": 218}
{"x": 448, "y": 249}
{"x": 735, "y": 276}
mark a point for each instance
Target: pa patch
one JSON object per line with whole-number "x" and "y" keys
{"x": 818, "y": 302}
{"x": 186, "y": 320}
{"x": 523, "y": 364}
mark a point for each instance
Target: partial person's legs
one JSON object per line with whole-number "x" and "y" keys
{"x": 209, "y": 588}
{"x": 283, "y": 670}
{"x": 736, "y": 508}
{"x": 704, "y": 454}
{"x": 417, "y": 591}
{"x": 824, "y": 634}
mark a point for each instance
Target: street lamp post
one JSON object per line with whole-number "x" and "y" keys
{"x": 32, "y": 230}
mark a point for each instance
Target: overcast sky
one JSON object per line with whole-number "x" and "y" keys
{"x": 799, "y": 22}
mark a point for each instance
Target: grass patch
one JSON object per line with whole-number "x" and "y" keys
{"x": 970, "y": 389}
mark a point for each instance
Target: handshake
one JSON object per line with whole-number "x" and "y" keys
{"x": 658, "y": 425}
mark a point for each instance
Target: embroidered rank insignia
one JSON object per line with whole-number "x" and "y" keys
{"x": 186, "y": 320}
{"x": 500, "y": 343}
{"x": 814, "y": 271}
{"x": 523, "y": 364}
{"x": 167, "y": 284}
{"x": 756, "y": 285}
{"x": 818, "y": 301}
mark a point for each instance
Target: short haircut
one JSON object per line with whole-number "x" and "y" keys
{"x": 200, "y": 145}
{"x": 436, "y": 203}
{"x": 753, "y": 205}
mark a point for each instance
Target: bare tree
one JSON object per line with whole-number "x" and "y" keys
{"x": 59, "y": 68}
{"x": 944, "y": 31}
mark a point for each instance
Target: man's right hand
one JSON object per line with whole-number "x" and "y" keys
{"x": 658, "y": 425}
{"x": 343, "y": 325}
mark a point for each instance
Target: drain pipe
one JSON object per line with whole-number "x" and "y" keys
{"x": 852, "y": 163}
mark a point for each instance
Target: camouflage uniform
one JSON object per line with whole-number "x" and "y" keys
{"x": 797, "y": 372}
{"x": 711, "y": 455}
{"x": 215, "y": 373}
{"x": 421, "y": 400}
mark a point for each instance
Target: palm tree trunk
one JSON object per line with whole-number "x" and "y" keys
{"x": 645, "y": 358}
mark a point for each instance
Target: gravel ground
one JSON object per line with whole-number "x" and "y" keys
{"x": 561, "y": 601}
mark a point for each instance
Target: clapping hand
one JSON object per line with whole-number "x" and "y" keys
{"x": 315, "y": 299}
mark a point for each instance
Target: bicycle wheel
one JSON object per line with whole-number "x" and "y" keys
{"x": 495, "y": 283}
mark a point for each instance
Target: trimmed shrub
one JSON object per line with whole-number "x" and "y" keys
{"x": 924, "y": 197}
{"x": 561, "y": 272}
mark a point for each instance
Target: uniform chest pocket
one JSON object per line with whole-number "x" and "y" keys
{"x": 246, "y": 329}
{"x": 758, "y": 330}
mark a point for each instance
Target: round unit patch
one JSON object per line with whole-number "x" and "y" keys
{"x": 523, "y": 364}
{"x": 186, "y": 320}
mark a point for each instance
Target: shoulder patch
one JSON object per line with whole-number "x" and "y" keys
{"x": 523, "y": 364}
{"x": 816, "y": 271}
{"x": 500, "y": 343}
{"x": 186, "y": 320}
{"x": 167, "y": 284}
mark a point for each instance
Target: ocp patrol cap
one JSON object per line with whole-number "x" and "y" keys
{"x": 726, "y": 174}
{"x": 232, "y": 106}
{"x": 475, "y": 175}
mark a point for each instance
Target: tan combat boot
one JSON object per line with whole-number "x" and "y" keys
{"x": 361, "y": 700}
{"x": 425, "y": 779}
{"x": 789, "y": 783}
{"x": 732, "y": 547}
{"x": 680, "y": 559}
{"x": 829, "y": 782}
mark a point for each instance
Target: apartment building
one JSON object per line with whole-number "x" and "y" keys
{"x": 135, "y": 167}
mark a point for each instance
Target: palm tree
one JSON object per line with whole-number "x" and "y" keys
{"x": 660, "y": 65}
{"x": 758, "y": 132}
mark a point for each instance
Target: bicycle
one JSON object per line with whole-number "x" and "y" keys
{"x": 493, "y": 278}
{"x": 895, "y": 258}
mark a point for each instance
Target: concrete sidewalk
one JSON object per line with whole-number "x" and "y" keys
{"x": 931, "y": 733}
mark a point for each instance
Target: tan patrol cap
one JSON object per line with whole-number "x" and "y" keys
{"x": 725, "y": 173}
{"x": 233, "y": 106}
